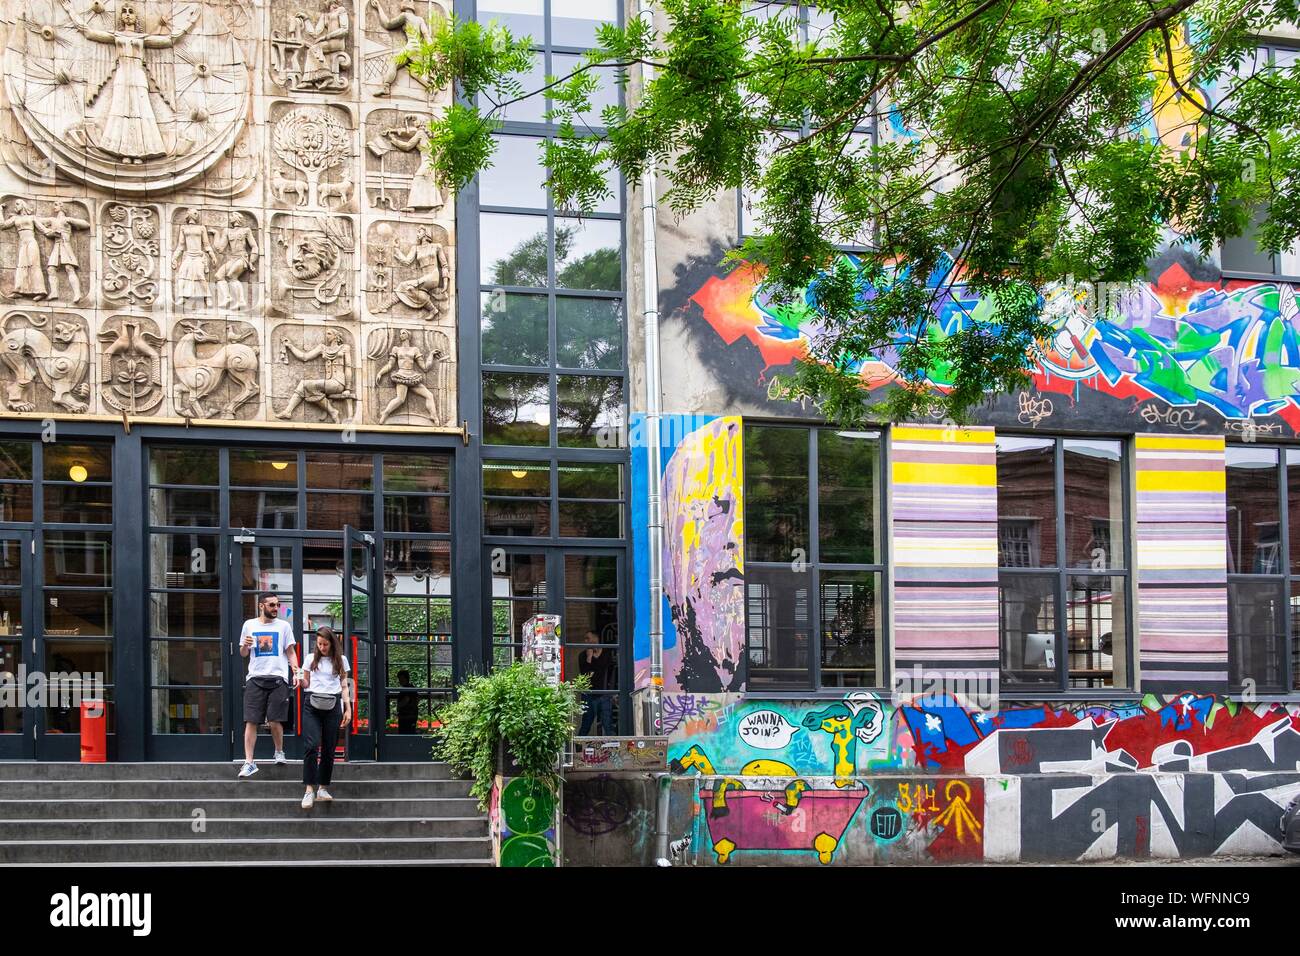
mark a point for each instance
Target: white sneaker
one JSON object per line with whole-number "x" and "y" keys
{"x": 307, "y": 800}
{"x": 323, "y": 795}
{"x": 248, "y": 770}
{"x": 280, "y": 758}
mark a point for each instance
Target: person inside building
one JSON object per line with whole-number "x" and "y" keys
{"x": 408, "y": 704}
{"x": 598, "y": 663}
{"x": 272, "y": 654}
{"x": 327, "y": 706}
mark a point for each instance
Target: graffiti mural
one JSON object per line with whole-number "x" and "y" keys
{"x": 521, "y": 818}
{"x": 1187, "y": 348}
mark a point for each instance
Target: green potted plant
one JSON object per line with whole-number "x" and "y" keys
{"x": 509, "y": 721}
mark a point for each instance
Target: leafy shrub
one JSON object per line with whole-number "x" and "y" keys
{"x": 514, "y": 705}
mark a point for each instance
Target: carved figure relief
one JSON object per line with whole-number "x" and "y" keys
{"x": 46, "y": 362}
{"x": 407, "y": 270}
{"x": 398, "y": 175}
{"x": 127, "y": 96}
{"x": 393, "y": 31}
{"x": 314, "y": 374}
{"x": 313, "y": 258}
{"x": 130, "y": 245}
{"x": 313, "y": 157}
{"x": 131, "y": 364}
{"x": 311, "y": 49}
{"x": 214, "y": 261}
{"x": 42, "y": 246}
{"x": 412, "y": 377}
{"x": 215, "y": 367}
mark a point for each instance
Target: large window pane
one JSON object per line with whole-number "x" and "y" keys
{"x": 516, "y": 409}
{"x": 1027, "y": 619}
{"x": 516, "y": 176}
{"x": 183, "y": 507}
{"x": 185, "y": 614}
{"x": 78, "y": 504}
{"x": 1256, "y": 635}
{"x": 411, "y": 472}
{"x": 263, "y": 509}
{"x": 529, "y": 109}
{"x": 1026, "y": 502}
{"x": 79, "y": 558}
{"x": 16, "y": 503}
{"x": 779, "y": 628}
{"x": 1293, "y": 505}
{"x": 776, "y": 494}
{"x": 187, "y": 662}
{"x": 846, "y": 489}
{"x": 850, "y": 628}
{"x": 512, "y": 250}
{"x": 588, "y": 254}
{"x": 1096, "y": 622}
{"x": 528, "y": 479}
{"x": 589, "y": 333}
{"x": 574, "y": 22}
{"x": 183, "y": 466}
{"x": 589, "y": 411}
{"x": 340, "y": 472}
{"x": 605, "y": 94}
{"x": 184, "y": 561}
{"x": 590, "y": 480}
{"x": 591, "y": 575}
{"x": 516, "y": 516}
{"x": 78, "y": 462}
{"x": 263, "y": 469}
{"x": 1254, "y": 542}
{"x": 15, "y": 460}
{"x": 514, "y": 329}
{"x": 586, "y": 519}
{"x": 417, "y": 514}
{"x": 1094, "y": 505}
{"x": 523, "y": 17}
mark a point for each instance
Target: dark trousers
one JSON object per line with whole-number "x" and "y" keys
{"x": 598, "y": 706}
{"x": 320, "y": 735}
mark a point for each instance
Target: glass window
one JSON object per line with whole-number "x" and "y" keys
{"x": 516, "y": 177}
{"x": 1254, "y": 514}
{"x": 776, "y": 493}
{"x": 605, "y": 94}
{"x": 516, "y": 409}
{"x": 574, "y": 22}
{"x": 588, "y": 333}
{"x": 514, "y": 329}
{"x": 184, "y": 466}
{"x": 513, "y": 250}
{"x": 528, "y": 109}
{"x": 522, "y": 17}
{"x": 1061, "y": 506}
{"x": 588, "y": 254}
{"x": 847, "y": 469}
{"x": 589, "y": 410}
{"x": 254, "y": 467}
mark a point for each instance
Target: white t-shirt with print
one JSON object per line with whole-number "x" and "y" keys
{"x": 269, "y": 655}
{"x": 323, "y": 678}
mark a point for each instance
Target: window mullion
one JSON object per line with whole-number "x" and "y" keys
{"x": 814, "y": 555}
{"x": 1062, "y": 574}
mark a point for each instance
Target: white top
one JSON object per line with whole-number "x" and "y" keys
{"x": 269, "y": 656}
{"x": 323, "y": 678}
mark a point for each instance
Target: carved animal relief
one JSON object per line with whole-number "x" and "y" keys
{"x": 408, "y": 271}
{"x": 130, "y": 242}
{"x": 412, "y": 377}
{"x": 311, "y": 48}
{"x": 127, "y": 96}
{"x": 216, "y": 369}
{"x": 312, "y": 165}
{"x": 314, "y": 374}
{"x": 44, "y": 247}
{"x": 398, "y": 176}
{"x": 131, "y": 364}
{"x": 46, "y": 362}
{"x": 313, "y": 263}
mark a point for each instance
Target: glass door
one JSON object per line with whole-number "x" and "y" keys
{"x": 261, "y": 563}
{"x": 17, "y": 646}
{"x": 361, "y": 607}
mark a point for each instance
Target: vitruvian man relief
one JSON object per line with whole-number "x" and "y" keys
{"x": 129, "y": 96}
{"x": 314, "y": 374}
{"x": 130, "y": 242}
{"x": 311, "y": 46}
{"x": 398, "y": 175}
{"x": 216, "y": 369}
{"x": 393, "y": 31}
{"x": 412, "y": 377}
{"x": 312, "y": 157}
{"x": 43, "y": 247}
{"x": 131, "y": 363}
{"x": 313, "y": 263}
{"x": 408, "y": 271}
{"x": 45, "y": 362}
{"x": 215, "y": 254}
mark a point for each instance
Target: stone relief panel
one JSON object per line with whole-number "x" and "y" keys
{"x": 411, "y": 377}
{"x": 311, "y": 46}
{"x": 130, "y": 96}
{"x": 313, "y": 264}
{"x": 408, "y": 273}
{"x": 44, "y": 248}
{"x": 130, "y": 243}
{"x": 397, "y": 176}
{"x": 312, "y": 158}
{"x": 314, "y": 373}
{"x": 45, "y": 360}
{"x": 215, "y": 259}
{"x": 216, "y": 369}
{"x": 132, "y": 357}
{"x": 393, "y": 28}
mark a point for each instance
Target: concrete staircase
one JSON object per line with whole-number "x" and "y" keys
{"x": 384, "y": 814}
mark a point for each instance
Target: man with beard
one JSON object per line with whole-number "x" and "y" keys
{"x": 268, "y": 643}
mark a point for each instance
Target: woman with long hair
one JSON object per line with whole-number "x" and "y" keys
{"x": 327, "y": 684}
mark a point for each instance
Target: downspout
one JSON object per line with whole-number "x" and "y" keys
{"x": 653, "y": 415}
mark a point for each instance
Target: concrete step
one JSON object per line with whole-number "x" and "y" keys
{"x": 282, "y": 789}
{"x": 267, "y": 770}
{"x": 232, "y": 808}
{"x": 25, "y": 852}
{"x": 307, "y": 826}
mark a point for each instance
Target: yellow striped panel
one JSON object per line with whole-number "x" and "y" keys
{"x": 1202, "y": 443}
{"x": 1181, "y": 481}
{"x": 933, "y": 473}
{"x": 982, "y": 436}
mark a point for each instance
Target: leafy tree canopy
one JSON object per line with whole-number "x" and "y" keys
{"x": 1016, "y": 143}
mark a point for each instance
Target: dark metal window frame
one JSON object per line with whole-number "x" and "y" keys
{"x": 815, "y": 567}
{"x": 1062, "y": 574}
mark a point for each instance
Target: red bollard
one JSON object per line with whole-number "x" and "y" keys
{"x": 94, "y": 731}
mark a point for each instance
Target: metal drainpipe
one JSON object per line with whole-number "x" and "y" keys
{"x": 654, "y": 504}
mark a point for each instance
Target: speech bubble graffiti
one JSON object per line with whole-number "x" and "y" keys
{"x": 766, "y": 730}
